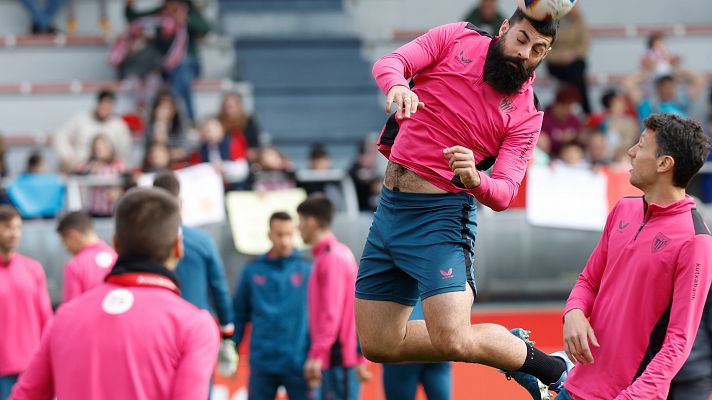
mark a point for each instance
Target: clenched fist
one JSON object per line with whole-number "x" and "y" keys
{"x": 462, "y": 163}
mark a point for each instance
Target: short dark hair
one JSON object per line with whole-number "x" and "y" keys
{"x": 34, "y": 160}
{"x": 607, "y": 98}
{"x": 77, "y": 220}
{"x": 547, "y": 27}
{"x": 665, "y": 78}
{"x": 105, "y": 94}
{"x": 168, "y": 181}
{"x": 8, "y": 213}
{"x": 318, "y": 206}
{"x": 279, "y": 216}
{"x": 654, "y": 37}
{"x": 318, "y": 151}
{"x": 684, "y": 140}
{"x": 147, "y": 224}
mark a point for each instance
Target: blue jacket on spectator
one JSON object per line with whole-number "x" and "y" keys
{"x": 272, "y": 295}
{"x": 201, "y": 274}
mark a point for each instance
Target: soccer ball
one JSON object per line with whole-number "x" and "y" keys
{"x": 543, "y": 10}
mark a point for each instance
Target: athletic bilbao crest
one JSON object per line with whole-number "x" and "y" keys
{"x": 660, "y": 242}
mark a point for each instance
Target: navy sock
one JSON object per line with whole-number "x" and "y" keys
{"x": 546, "y": 368}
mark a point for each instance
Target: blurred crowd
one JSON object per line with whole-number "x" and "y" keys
{"x": 573, "y": 134}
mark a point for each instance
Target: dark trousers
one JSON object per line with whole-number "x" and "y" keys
{"x": 699, "y": 389}
{"x": 574, "y": 74}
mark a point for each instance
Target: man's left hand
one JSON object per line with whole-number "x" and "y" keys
{"x": 312, "y": 372}
{"x": 363, "y": 374}
{"x": 462, "y": 163}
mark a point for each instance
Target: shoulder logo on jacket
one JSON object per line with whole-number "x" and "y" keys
{"x": 259, "y": 279}
{"x": 660, "y": 242}
{"x": 462, "y": 59}
{"x": 622, "y": 226}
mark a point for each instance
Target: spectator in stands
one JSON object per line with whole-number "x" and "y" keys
{"x": 222, "y": 153}
{"x": 363, "y": 172}
{"x": 657, "y": 58}
{"x": 567, "y": 59}
{"x": 3, "y": 164}
{"x": 272, "y": 171}
{"x": 42, "y": 16}
{"x": 151, "y": 47}
{"x": 333, "y": 362}
{"x": 272, "y": 296}
{"x": 486, "y": 16}
{"x": 37, "y": 193}
{"x": 185, "y": 15}
{"x": 319, "y": 159}
{"x": 615, "y": 122}
{"x": 91, "y": 260}
{"x": 319, "y": 165}
{"x": 73, "y": 140}
{"x": 572, "y": 156}
{"x": 156, "y": 159}
{"x": 597, "y": 151}
{"x": 560, "y": 124}
{"x": 167, "y": 123}
{"x": 240, "y": 125}
{"x": 694, "y": 380}
{"x": 132, "y": 337}
{"x": 103, "y": 163}
{"x": 201, "y": 271}
{"x": 666, "y": 98}
{"x": 25, "y": 306}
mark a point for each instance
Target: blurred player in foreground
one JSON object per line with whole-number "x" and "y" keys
{"x": 134, "y": 337}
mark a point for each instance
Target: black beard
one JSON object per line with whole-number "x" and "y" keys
{"x": 500, "y": 74}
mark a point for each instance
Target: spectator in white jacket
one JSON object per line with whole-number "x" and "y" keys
{"x": 73, "y": 140}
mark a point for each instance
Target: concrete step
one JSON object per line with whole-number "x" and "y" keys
{"x": 85, "y": 57}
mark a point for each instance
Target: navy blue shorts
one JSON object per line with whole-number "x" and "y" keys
{"x": 419, "y": 245}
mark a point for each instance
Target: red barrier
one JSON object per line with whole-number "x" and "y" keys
{"x": 469, "y": 381}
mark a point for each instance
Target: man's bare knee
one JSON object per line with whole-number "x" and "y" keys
{"x": 455, "y": 345}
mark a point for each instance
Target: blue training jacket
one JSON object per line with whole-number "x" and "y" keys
{"x": 201, "y": 274}
{"x": 272, "y": 295}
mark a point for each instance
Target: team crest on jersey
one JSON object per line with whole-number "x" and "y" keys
{"x": 660, "y": 242}
{"x": 259, "y": 279}
{"x": 297, "y": 279}
{"x": 117, "y": 301}
{"x": 507, "y": 105}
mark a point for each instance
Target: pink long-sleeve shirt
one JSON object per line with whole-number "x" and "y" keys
{"x": 643, "y": 290}
{"x": 25, "y": 308}
{"x": 122, "y": 342}
{"x": 446, "y": 65}
{"x": 87, "y": 269}
{"x": 331, "y": 303}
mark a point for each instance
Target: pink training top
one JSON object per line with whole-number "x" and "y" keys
{"x": 25, "y": 308}
{"x": 331, "y": 303}
{"x": 87, "y": 269}
{"x": 446, "y": 65}
{"x": 122, "y": 342}
{"x": 643, "y": 290}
